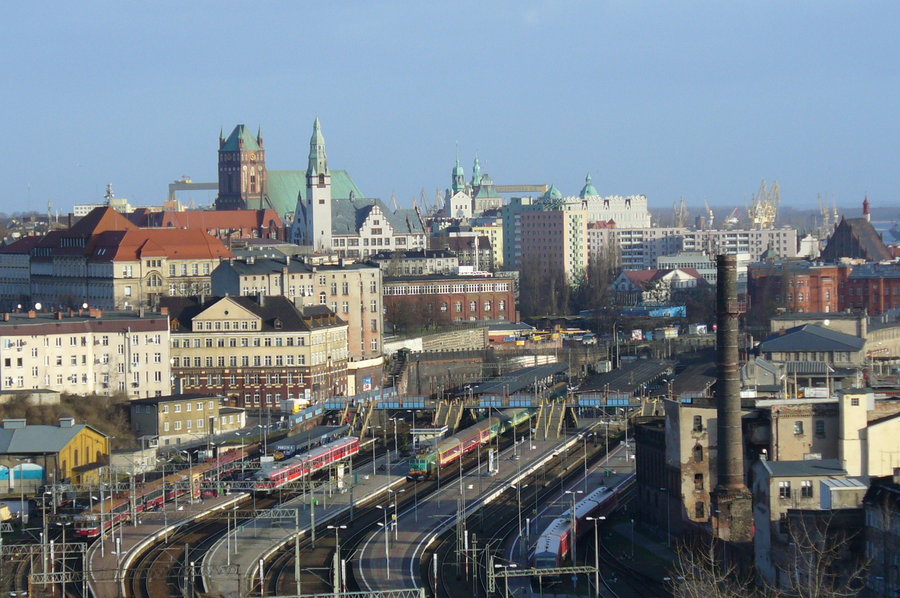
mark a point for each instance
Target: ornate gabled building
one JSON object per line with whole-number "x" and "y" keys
{"x": 352, "y": 227}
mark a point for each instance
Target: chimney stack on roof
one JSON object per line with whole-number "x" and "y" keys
{"x": 66, "y": 422}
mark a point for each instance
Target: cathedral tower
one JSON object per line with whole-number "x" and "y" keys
{"x": 243, "y": 181}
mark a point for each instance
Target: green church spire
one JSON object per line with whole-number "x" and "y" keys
{"x": 318, "y": 161}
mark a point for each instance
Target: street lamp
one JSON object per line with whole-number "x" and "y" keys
{"x": 396, "y": 448}
{"x": 574, "y": 523}
{"x": 394, "y": 505}
{"x": 387, "y": 537}
{"x": 506, "y": 577}
{"x": 190, "y": 477}
{"x": 337, "y": 556}
{"x": 596, "y": 552}
{"x": 373, "y": 447}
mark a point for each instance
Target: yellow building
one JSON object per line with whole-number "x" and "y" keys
{"x": 494, "y": 232}
{"x": 46, "y": 454}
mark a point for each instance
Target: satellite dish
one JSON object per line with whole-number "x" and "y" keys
{"x": 37, "y": 305}
{"x": 827, "y": 322}
{"x": 84, "y": 306}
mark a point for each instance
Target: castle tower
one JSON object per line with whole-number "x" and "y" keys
{"x": 318, "y": 193}
{"x": 242, "y": 170}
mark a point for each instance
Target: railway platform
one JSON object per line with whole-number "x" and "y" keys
{"x": 231, "y": 566}
{"x": 391, "y": 560}
{"x": 108, "y": 557}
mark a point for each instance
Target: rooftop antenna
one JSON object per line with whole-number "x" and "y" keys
{"x": 109, "y": 195}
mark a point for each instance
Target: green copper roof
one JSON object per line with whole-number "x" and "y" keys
{"x": 588, "y": 190}
{"x": 233, "y": 143}
{"x": 286, "y": 185}
{"x": 318, "y": 160}
{"x": 552, "y": 193}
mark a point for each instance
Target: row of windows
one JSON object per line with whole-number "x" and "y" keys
{"x": 176, "y": 408}
{"x": 444, "y": 289}
{"x": 257, "y": 341}
{"x": 227, "y": 325}
{"x": 806, "y": 489}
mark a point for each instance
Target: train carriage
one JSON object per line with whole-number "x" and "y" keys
{"x": 277, "y": 474}
{"x": 118, "y": 507}
{"x": 425, "y": 463}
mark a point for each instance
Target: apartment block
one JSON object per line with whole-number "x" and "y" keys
{"x": 86, "y": 352}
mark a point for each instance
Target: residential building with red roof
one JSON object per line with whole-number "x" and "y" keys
{"x": 107, "y": 261}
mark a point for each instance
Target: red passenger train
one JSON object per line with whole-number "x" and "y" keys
{"x": 148, "y": 496}
{"x": 277, "y": 474}
{"x": 553, "y": 546}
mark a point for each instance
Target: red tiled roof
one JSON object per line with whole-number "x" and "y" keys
{"x": 100, "y": 220}
{"x": 221, "y": 219}
{"x": 171, "y": 243}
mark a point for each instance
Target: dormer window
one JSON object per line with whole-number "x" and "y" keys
{"x": 277, "y": 323}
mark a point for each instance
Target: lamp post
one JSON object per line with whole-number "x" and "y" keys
{"x": 506, "y": 577}
{"x": 396, "y": 447}
{"x": 596, "y": 552}
{"x": 394, "y": 505}
{"x": 242, "y": 435}
{"x": 373, "y": 448}
{"x": 574, "y": 534}
{"x": 23, "y": 512}
{"x": 584, "y": 441}
{"x": 387, "y": 536}
{"x": 337, "y": 556}
{"x": 190, "y": 477}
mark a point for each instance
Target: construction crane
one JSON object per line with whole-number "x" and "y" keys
{"x": 681, "y": 214}
{"x": 763, "y": 209}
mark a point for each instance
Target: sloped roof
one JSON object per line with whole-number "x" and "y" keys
{"x": 34, "y": 439}
{"x": 184, "y": 309}
{"x": 99, "y": 220}
{"x": 220, "y": 219}
{"x": 810, "y": 337}
{"x": 23, "y": 245}
{"x": 285, "y": 186}
{"x": 347, "y": 215}
{"x": 867, "y": 240}
{"x": 141, "y": 243}
{"x": 811, "y": 467}
{"x": 240, "y": 133}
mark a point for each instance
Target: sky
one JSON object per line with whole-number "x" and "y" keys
{"x": 701, "y": 100}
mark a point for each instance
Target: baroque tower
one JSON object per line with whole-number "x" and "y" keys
{"x": 243, "y": 181}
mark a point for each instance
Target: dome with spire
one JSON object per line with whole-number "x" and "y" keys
{"x": 588, "y": 190}
{"x": 552, "y": 194}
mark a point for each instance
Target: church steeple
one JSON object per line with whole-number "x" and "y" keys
{"x": 476, "y": 173}
{"x": 318, "y": 161}
{"x": 459, "y": 176}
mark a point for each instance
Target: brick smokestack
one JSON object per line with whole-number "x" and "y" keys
{"x": 732, "y": 517}
{"x": 728, "y": 386}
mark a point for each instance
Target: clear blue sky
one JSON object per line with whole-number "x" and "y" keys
{"x": 669, "y": 99}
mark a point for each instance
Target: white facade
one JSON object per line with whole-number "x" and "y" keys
{"x": 86, "y": 354}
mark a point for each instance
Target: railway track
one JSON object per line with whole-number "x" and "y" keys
{"x": 503, "y": 520}
{"x": 160, "y": 570}
{"x": 315, "y": 563}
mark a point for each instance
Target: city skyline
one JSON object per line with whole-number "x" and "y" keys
{"x": 701, "y": 101}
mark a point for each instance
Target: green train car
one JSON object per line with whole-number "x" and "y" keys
{"x": 425, "y": 463}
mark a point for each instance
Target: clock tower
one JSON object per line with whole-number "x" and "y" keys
{"x": 243, "y": 181}
{"x": 315, "y": 228}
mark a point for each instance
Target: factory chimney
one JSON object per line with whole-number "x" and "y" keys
{"x": 732, "y": 500}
